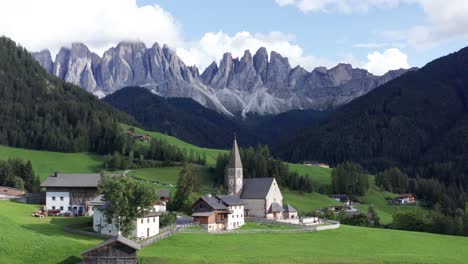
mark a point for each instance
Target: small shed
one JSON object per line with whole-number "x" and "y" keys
{"x": 117, "y": 249}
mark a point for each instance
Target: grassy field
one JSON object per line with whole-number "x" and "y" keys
{"x": 46, "y": 162}
{"x": 321, "y": 175}
{"x": 307, "y": 202}
{"x": 344, "y": 245}
{"x": 211, "y": 154}
{"x": 26, "y": 239}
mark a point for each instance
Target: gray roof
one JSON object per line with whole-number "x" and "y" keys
{"x": 163, "y": 193}
{"x": 120, "y": 239}
{"x": 275, "y": 207}
{"x": 72, "y": 180}
{"x": 214, "y": 203}
{"x": 256, "y": 188}
{"x": 235, "y": 160}
{"x": 230, "y": 200}
{"x": 289, "y": 208}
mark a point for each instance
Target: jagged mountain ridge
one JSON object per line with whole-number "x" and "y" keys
{"x": 250, "y": 85}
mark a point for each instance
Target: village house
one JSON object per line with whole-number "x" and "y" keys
{"x": 146, "y": 226}
{"x": 262, "y": 196}
{"x": 70, "y": 193}
{"x": 347, "y": 209}
{"x": 315, "y": 163}
{"x": 405, "y": 198}
{"x": 142, "y": 137}
{"x": 164, "y": 195}
{"x": 117, "y": 249}
{"x": 221, "y": 212}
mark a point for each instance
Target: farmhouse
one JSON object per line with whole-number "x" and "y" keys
{"x": 164, "y": 195}
{"x": 146, "y": 226}
{"x": 262, "y": 196}
{"x": 71, "y": 192}
{"x": 117, "y": 249}
{"x": 406, "y": 198}
{"x": 222, "y": 212}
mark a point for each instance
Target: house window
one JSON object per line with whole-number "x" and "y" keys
{"x": 142, "y": 221}
{"x": 154, "y": 219}
{"x": 147, "y": 220}
{"x": 61, "y": 198}
{"x": 69, "y": 208}
{"x": 61, "y": 208}
{"x": 53, "y": 207}
{"x": 53, "y": 198}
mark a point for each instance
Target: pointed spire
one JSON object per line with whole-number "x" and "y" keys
{"x": 235, "y": 160}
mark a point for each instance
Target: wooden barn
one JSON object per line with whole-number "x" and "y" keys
{"x": 117, "y": 249}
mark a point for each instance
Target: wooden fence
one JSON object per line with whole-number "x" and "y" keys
{"x": 164, "y": 234}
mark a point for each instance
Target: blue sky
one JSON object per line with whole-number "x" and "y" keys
{"x": 378, "y": 35}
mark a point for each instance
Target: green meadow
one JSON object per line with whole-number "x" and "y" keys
{"x": 27, "y": 239}
{"x": 46, "y": 162}
{"x": 344, "y": 245}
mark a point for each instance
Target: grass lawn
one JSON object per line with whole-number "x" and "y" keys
{"x": 321, "y": 175}
{"x": 46, "y": 162}
{"x": 169, "y": 175}
{"x": 307, "y": 202}
{"x": 344, "y": 245}
{"x": 211, "y": 154}
{"x": 27, "y": 239}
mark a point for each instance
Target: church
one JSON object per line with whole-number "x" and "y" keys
{"x": 261, "y": 196}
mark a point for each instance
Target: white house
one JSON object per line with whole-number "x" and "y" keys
{"x": 71, "y": 192}
{"x": 146, "y": 226}
{"x": 221, "y": 212}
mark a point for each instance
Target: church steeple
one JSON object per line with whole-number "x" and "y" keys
{"x": 234, "y": 170}
{"x": 235, "y": 160}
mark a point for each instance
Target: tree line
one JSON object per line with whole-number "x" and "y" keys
{"x": 19, "y": 174}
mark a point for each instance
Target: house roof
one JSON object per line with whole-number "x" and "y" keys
{"x": 256, "y": 188}
{"x": 205, "y": 214}
{"x": 98, "y": 200}
{"x": 214, "y": 203}
{"x": 235, "y": 160}
{"x": 288, "y": 208}
{"x": 72, "y": 180}
{"x": 275, "y": 207}
{"x": 163, "y": 193}
{"x": 120, "y": 239}
{"x": 230, "y": 200}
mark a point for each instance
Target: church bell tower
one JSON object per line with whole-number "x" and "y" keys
{"x": 234, "y": 171}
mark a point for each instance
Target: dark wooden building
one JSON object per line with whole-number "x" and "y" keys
{"x": 116, "y": 250}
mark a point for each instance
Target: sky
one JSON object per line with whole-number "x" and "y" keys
{"x": 378, "y": 35}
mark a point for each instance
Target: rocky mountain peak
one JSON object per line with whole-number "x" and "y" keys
{"x": 45, "y": 60}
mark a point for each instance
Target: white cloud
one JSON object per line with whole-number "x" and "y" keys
{"x": 212, "y": 46}
{"x": 341, "y": 6}
{"x": 391, "y": 59}
{"x": 99, "y": 24}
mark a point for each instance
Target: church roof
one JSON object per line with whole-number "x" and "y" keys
{"x": 235, "y": 160}
{"x": 289, "y": 208}
{"x": 256, "y": 188}
{"x": 275, "y": 207}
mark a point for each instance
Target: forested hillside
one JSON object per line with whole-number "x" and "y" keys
{"x": 40, "y": 111}
{"x": 190, "y": 121}
{"x": 418, "y": 122}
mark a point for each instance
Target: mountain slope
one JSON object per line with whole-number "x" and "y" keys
{"x": 40, "y": 111}
{"x": 188, "y": 120}
{"x": 250, "y": 85}
{"x": 418, "y": 122}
